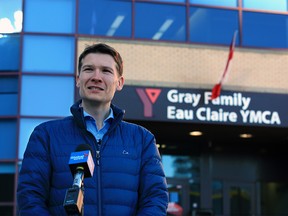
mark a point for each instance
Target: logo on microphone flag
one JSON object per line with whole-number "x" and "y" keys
{"x": 78, "y": 157}
{"x": 217, "y": 88}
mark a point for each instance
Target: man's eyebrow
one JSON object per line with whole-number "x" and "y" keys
{"x": 107, "y": 67}
{"x": 87, "y": 65}
{"x": 101, "y": 66}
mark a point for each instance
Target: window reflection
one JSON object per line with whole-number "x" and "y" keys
{"x": 167, "y": 20}
{"x": 212, "y": 25}
{"x": 9, "y": 94}
{"x": 9, "y": 52}
{"x": 8, "y": 141}
{"x": 160, "y": 22}
{"x": 227, "y": 3}
{"x": 269, "y": 30}
{"x": 277, "y": 5}
{"x": 181, "y": 1}
{"x": 181, "y": 166}
{"x": 107, "y": 18}
{"x": 11, "y": 16}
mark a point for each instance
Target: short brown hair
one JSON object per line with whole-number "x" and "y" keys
{"x": 104, "y": 49}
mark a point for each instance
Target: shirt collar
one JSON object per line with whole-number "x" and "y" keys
{"x": 110, "y": 116}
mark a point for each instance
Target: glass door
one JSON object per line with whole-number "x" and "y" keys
{"x": 239, "y": 199}
{"x": 179, "y": 200}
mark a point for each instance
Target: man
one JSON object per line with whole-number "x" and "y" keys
{"x": 128, "y": 178}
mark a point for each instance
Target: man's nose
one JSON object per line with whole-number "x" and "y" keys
{"x": 96, "y": 74}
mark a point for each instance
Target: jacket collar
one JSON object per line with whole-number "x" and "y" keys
{"x": 77, "y": 112}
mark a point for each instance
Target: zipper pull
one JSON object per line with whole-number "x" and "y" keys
{"x": 98, "y": 152}
{"x": 98, "y": 157}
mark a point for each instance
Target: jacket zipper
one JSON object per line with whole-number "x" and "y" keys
{"x": 98, "y": 146}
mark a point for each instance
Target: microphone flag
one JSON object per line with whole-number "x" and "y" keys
{"x": 82, "y": 159}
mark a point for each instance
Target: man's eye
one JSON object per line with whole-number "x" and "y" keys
{"x": 87, "y": 69}
{"x": 107, "y": 71}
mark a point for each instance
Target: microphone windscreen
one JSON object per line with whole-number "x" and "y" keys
{"x": 84, "y": 147}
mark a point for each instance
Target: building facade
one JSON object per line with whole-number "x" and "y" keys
{"x": 174, "y": 52}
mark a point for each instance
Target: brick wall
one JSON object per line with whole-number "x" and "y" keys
{"x": 182, "y": 65}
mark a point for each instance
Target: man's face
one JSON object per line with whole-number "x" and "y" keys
{"x": 98, "y": 79}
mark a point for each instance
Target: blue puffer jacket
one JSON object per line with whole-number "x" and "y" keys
{"x": 129, "y": 179}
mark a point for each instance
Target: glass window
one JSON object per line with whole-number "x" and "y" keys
{"x": 181, "y": 1}
{"x": 160, "y": 22}
{"x": 26, "y": 128}
{"x": 11, "y": 16}
{"x": 195, "y": 195}
{"x": 10, "y": 106}
{"x": 8, "y": 84}
{"x": 50, "y": 16}
{"x": 10, "y": 22}
{"x": 214, "y": 26}
{"x": 8, "y": 139}
{"x": 102, "y": 17}
{"x": 217, "y": 197}
{"x": 181, "y": 166}
{"x": 48, "y": 54}
{"x": 7, "y": 182}
{"x": 9, "y": 52}
{"x": 265, "y": 30}
{"x": 9, "y": 94}
{"x": 6, "y": 188}
{"x": 7, "y": 168}
{"x": 47, "y": 95}
{"x": 5, "y": 209}
{"x": 227, "y": 3}
{"x": 240, "y": 200}
{"x": 273, "y": 198}
{"x": 277, "y": 5}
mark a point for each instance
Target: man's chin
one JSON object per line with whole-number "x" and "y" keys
{"x": 93, "y": 100}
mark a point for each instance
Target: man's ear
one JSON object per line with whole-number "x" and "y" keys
{"x": 77, "y": 81}
{"x": 120, "y": 83}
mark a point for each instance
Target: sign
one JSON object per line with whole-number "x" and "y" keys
{"x": 196, "y": 106}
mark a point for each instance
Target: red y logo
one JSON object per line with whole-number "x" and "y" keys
{"x": 148, "y": 97}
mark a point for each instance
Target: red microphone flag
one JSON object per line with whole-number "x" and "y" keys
{"x": 217, "y": 88}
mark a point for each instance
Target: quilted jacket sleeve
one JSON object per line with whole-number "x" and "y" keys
{"x": 33, "y": 182}
{"x": 153, "y": 193}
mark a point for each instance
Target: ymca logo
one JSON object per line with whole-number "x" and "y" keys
{"x": 148, "y": 97}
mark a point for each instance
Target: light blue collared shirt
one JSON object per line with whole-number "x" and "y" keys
{"x": 91, "y": 125}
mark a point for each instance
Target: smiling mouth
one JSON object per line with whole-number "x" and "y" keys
{"x": 95, "y": 88}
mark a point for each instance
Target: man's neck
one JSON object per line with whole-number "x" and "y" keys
{"x": 98, "y": 112}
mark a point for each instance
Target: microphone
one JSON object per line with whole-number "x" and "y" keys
{"x": 81, "y": 166}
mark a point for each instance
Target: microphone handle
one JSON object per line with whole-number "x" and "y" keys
{"x": 78, "y": 178}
